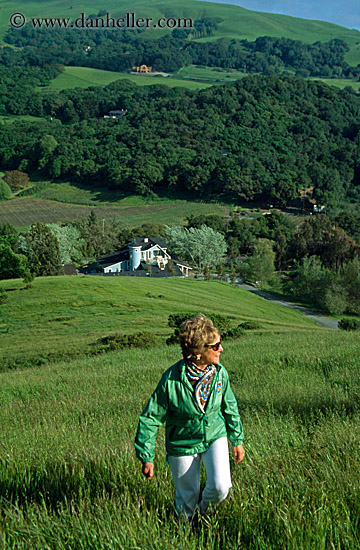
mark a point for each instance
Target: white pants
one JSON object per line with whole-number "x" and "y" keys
{"x": 186, "y": 475}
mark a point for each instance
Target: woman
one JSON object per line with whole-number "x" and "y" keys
{"x": 195, "y": 400}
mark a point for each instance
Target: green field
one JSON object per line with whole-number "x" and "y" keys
{"x": 237, "y": 22}
{"x": 63, "y": 316}
{"x": 84, "y": 77}
{"x": 16, "y": 118}
{"x": 340, "y": 82}
{"x": 192, "y": 77}
{"x": 68, "y": 475}
{"x": 212, "y": 74}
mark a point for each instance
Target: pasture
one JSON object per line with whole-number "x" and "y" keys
{"x": 64, "y": 316}
{"x": 340, "y": 83}
{"x": 68, "y": 474}
{"x": 84, "y": 77}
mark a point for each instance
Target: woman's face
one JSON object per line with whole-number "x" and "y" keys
{"x": 211, "y": 354}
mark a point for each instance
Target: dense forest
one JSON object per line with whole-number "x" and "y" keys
{"x": 120, "y": 51}
{"x": 261, "y": 138}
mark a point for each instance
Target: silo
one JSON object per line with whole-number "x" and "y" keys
{"x": 135, "y": 256}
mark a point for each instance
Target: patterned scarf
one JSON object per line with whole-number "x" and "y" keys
{"x": 204, "y": 379}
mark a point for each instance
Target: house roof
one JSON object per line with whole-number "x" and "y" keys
{"x": 147, "y": 243}
{"x": 114, "y": 258}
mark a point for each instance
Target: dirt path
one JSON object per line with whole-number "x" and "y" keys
{"x": 321, "y": 319}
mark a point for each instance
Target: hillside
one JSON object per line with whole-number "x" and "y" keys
{"x": 69, "y": 477}
{"x": 237, "y": 22}
{"x": 64, "y": 316}
{"x": 259, "y": 139}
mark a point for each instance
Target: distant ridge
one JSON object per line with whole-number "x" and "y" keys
{"x": 237, "y": 22}
{"x": 330, "y": 11}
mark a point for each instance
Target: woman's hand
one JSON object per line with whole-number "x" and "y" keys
{"x": 239, "y": 453}
{"x": 148, "y": 469}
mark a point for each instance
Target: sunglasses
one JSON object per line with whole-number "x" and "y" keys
{"x": 216, "y": 346}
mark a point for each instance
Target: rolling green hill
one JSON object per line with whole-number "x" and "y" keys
{"x": 236, "y": 22}
{"x": 69, "y": 477}
{"x": 63, "y": 316}
{"x": 84, "y": 77}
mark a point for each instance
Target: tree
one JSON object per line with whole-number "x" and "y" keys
{"x": 261, "y": 265}
{"x": 43, "y": 251}
{"x": 232, "y": 274}
{"x": 317, "y": 236}
{"x": 28, "y": 279}
{"x": 207, "y": 273}
{"x": 71, "y": 244}
{"x": 5, "y": 191}
{"x": 12, "y": 265}
{"x": 101, "y": 236}
{"x": 335, "y": 299}
{"x": 16, "y": 180}
{"x": 9, "y": 235}
{"x": 349, "y": 221}
{"x": 311, "y": 279}
{"x": 220, "y": 270}
{"x": 201, "y": 246}
{"x": 349, "y": 277}
{"x": 47, "y": 147}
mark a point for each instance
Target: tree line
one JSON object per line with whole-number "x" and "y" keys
{"x": 120, "y": 51}
{"x": 318, "y": 260}
{"x": 260, "y": 138}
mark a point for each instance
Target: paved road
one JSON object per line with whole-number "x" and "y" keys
{"x": 321, "y": 319}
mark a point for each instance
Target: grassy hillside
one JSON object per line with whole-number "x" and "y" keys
{"x": 237, "y": 22}
{"x": 340, "y": 83}
{"x": 191, "y": 77}
{"x": 63, "y": 316}
{"x": 69, "y": 478}
{"x": 83, "y": 77}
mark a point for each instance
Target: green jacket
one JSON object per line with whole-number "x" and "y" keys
{"x": 188, "y": 430}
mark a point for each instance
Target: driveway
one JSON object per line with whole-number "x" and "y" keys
{"x": 321, "y": 319}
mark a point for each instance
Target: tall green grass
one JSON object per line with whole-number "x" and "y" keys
{"x": 69, "y": 478}
{"x": 63, "y": 317}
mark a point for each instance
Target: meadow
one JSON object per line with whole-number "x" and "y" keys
{"x": 63, "y": 317}
{"x": 192, "y": 77}
{"x": 69, "y": 478}
{"x": 84, "y": 77}
{"x": 340, "y": 83}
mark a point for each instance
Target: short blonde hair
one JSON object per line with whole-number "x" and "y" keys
{"x": 196, "y": 335}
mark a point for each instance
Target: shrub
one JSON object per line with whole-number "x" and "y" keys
{"x": 28, "y": 279}
{"x": 335, "y": 299}
{"x": 349, "y": 324}
{"x": 249, "y": 325}
{"x": 16, "y": 180}
{"x": 234, "y": 332}
{"x": 221, "y": 322}
{"x": 5, "y": 191}
{"x": 119, "y": 341}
